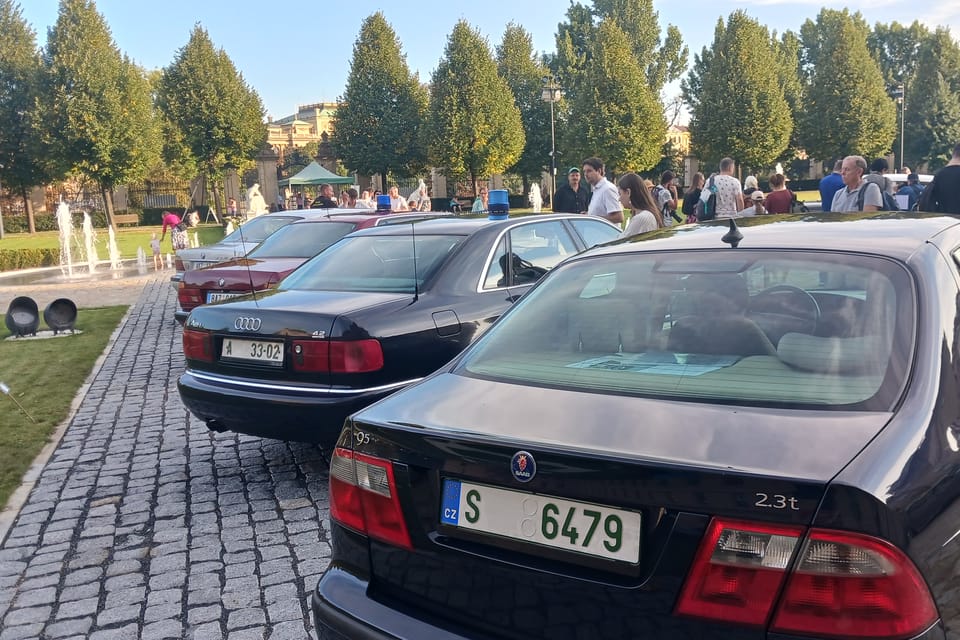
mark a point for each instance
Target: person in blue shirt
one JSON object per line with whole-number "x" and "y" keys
{"x": 912, "y": 190}
{"x": 829, "y": 185}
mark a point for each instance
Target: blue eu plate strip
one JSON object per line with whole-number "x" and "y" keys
{"x": 450, "y": 503}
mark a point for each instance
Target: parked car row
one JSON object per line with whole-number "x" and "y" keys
{"x": 708, "y": 431}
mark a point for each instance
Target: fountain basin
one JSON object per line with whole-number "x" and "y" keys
{"x": 54, "y": 275}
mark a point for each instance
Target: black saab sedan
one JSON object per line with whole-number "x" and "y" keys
{"x": 376, "y": 311}
{"x": 704, "y": 434}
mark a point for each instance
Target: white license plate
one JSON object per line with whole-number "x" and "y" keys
{"x": 217, "y": 296}
{"x": 252, "y": 351}
{"x": 582, "y": 527}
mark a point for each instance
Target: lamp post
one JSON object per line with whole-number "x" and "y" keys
{"x": 552, "y": 93}
{"x": 900, "y": 94}
{"x": 1, "y": 208}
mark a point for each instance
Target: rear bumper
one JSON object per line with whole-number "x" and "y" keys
{"x": 340, "y": 592}
{"x": 312, "y": 415}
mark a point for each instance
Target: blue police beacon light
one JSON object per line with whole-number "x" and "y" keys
{"x": 498, "y": 205}
{"x": 383, "y": 204}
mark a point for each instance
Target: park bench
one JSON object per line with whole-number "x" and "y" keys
{"x": 126, "y": 218}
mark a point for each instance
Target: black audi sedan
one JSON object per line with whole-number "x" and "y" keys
{"x": 372, "y": 313}
{"x": 703, "y": 433}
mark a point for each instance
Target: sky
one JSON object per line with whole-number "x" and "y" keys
{"x": 295, "y": 53}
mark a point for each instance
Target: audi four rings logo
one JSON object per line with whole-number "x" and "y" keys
{"x": 243, "y": 323}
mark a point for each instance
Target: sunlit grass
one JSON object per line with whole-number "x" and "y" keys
{"x": 128, "y": 239}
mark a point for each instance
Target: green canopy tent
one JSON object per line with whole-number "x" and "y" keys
{"x": 314, "y": 174}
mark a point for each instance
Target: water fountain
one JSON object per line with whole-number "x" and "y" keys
{"x": 89, "y": 238}
{"x": 169, "y": 261}
{"x": 65, "y": 224}
{"x": 114, "y": 250}
{"x": 141, "y": 258}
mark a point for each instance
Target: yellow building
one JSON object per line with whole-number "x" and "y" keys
{"x": 679, "y": 137}
{"x": 311, "y": 123}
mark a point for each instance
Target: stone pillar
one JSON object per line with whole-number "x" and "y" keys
{"x": 120, "y": 198}
{"x": 267, "y": 174}
{"x": 691, "y": 165}
{"x": 231, "y": 185}
{"x": 38, "y": 198}
{"x": 438, "y": 184}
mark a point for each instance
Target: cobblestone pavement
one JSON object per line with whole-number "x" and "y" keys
{"x": 143, "y": 524}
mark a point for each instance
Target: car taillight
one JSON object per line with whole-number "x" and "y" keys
{"x": 738, "y": 571}
{"x": 363, "y": 497}
{"x": 337, "y": 356}
{"x": 198, "y": 345}
{"x": 849, "y": 585}
{"x": 189, "y": 297}
{"x": 843, "y": 584}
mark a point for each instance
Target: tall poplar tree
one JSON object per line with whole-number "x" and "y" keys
{"x": 98, "y": 107}
{"x": 847, "y": 109}
{"x": 739, "y": 108}
{"x": 475, "y": 125}
{"x": 933, "y": 127}
{"x": 217, "y": 117}
{"x": 617, "y": 116}
{"x": 21, "y": 151}
{"x": 379, "y": 125}
{"x": 524, "y": 72}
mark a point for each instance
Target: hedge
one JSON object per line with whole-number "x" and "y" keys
{"x": 11, "y": 259}
{"x": 48, "y": 221}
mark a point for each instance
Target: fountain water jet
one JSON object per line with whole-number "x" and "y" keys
{"x": 114, "y": 250}
{"x": 89, "y": 238}
{"x": 141, "y": 258}
{"x": 65, "y": 224}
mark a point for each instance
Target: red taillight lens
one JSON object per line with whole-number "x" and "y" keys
{"x": 738, "y": 571}
{"x": 848, "y": 585}
{"x": 198, "y": 345}
{"x": 363, "y": 497}
{"x": 337, "y": 356}
{"x": 189, "y": 297}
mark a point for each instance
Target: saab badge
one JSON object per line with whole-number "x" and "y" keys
{"x": 523, "y": 466}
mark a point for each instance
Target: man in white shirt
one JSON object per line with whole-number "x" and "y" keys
{"x": 605, "y": 201}
{"x": 729, "y": 191}
{"x": 849, "y": 199}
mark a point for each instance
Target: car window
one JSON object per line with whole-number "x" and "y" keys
{"x": 258, "y": 229}
{"x": 374, "y": 263}
{"x": 301, "y": 240}
{"x": 785, "y": 329}
{"x": 538, "y": 248}
{"x": 594, "y": 231}
{"x": 497, "y": 269}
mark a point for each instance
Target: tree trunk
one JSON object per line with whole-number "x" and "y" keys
{"x": 28, "y": 207}
{"x": 107, "y": 195}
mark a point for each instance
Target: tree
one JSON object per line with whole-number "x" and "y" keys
{"x": 739, "y": 108}
{"x": 524, "y": 72}
{"x": 217, "y": 116}
{"x": 475, "y": 127}
{"x": 618, "y": 116}
{"x": 21, "y": 148}
{"x": 934, "y": 129}
{"x": 896, "y": 49}
{"x": 379, "y": 125}
{"x": 787, "y": 52}
{"x": 847, "y": 109}
{"x": 99, "y": 112}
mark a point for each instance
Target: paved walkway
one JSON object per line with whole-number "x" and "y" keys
{"x": 143, "y": 524}
{"x": 101, "y": 293}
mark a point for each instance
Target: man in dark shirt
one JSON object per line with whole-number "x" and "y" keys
{"x": 943, "y": 194}
{"x": 325, "y": 199}
{"x": 829, "y": 185}
{"x": 571, "y": 197}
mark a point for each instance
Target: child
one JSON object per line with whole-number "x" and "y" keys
{"x": 155, "y": 245}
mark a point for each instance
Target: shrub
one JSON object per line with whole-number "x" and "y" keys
{"x": 11, "y": 259}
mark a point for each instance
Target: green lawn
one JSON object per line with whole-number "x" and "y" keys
{"x": 44, "y": 376}
{"x": 128, "y": 239}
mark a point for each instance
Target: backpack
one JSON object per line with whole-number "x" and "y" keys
{"x": 889, "y": 202}
{"x": 706, "y": 209}
{"x": 665, "y": 211}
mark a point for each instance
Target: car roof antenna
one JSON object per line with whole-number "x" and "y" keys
{"x": 416, "y": 280}
{"x": 733, "y": 236}
{"x": 246, "y": 263}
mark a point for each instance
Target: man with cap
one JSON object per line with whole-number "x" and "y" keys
{"x": 571, "y": 197}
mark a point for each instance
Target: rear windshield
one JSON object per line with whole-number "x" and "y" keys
{"x": 302, "y": 240}
{"x": 374, "y": 263}
{"x": 258, "y": 229}
{"x": 767, "y": 328}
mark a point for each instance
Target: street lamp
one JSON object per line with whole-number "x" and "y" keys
{"x": 552, "y": 93}
{"x": 901, "y": 97}
{"x": 1, "y": 208}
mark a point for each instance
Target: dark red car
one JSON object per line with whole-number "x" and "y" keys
{"x": 273, "y": 259}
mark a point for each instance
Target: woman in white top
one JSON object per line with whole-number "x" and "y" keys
{"x": 635, "y": 196}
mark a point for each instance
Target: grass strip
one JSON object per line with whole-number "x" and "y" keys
{"x": 44, "y": 376}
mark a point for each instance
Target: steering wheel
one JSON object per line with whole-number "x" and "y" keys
{"x": 782, "y": 309}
